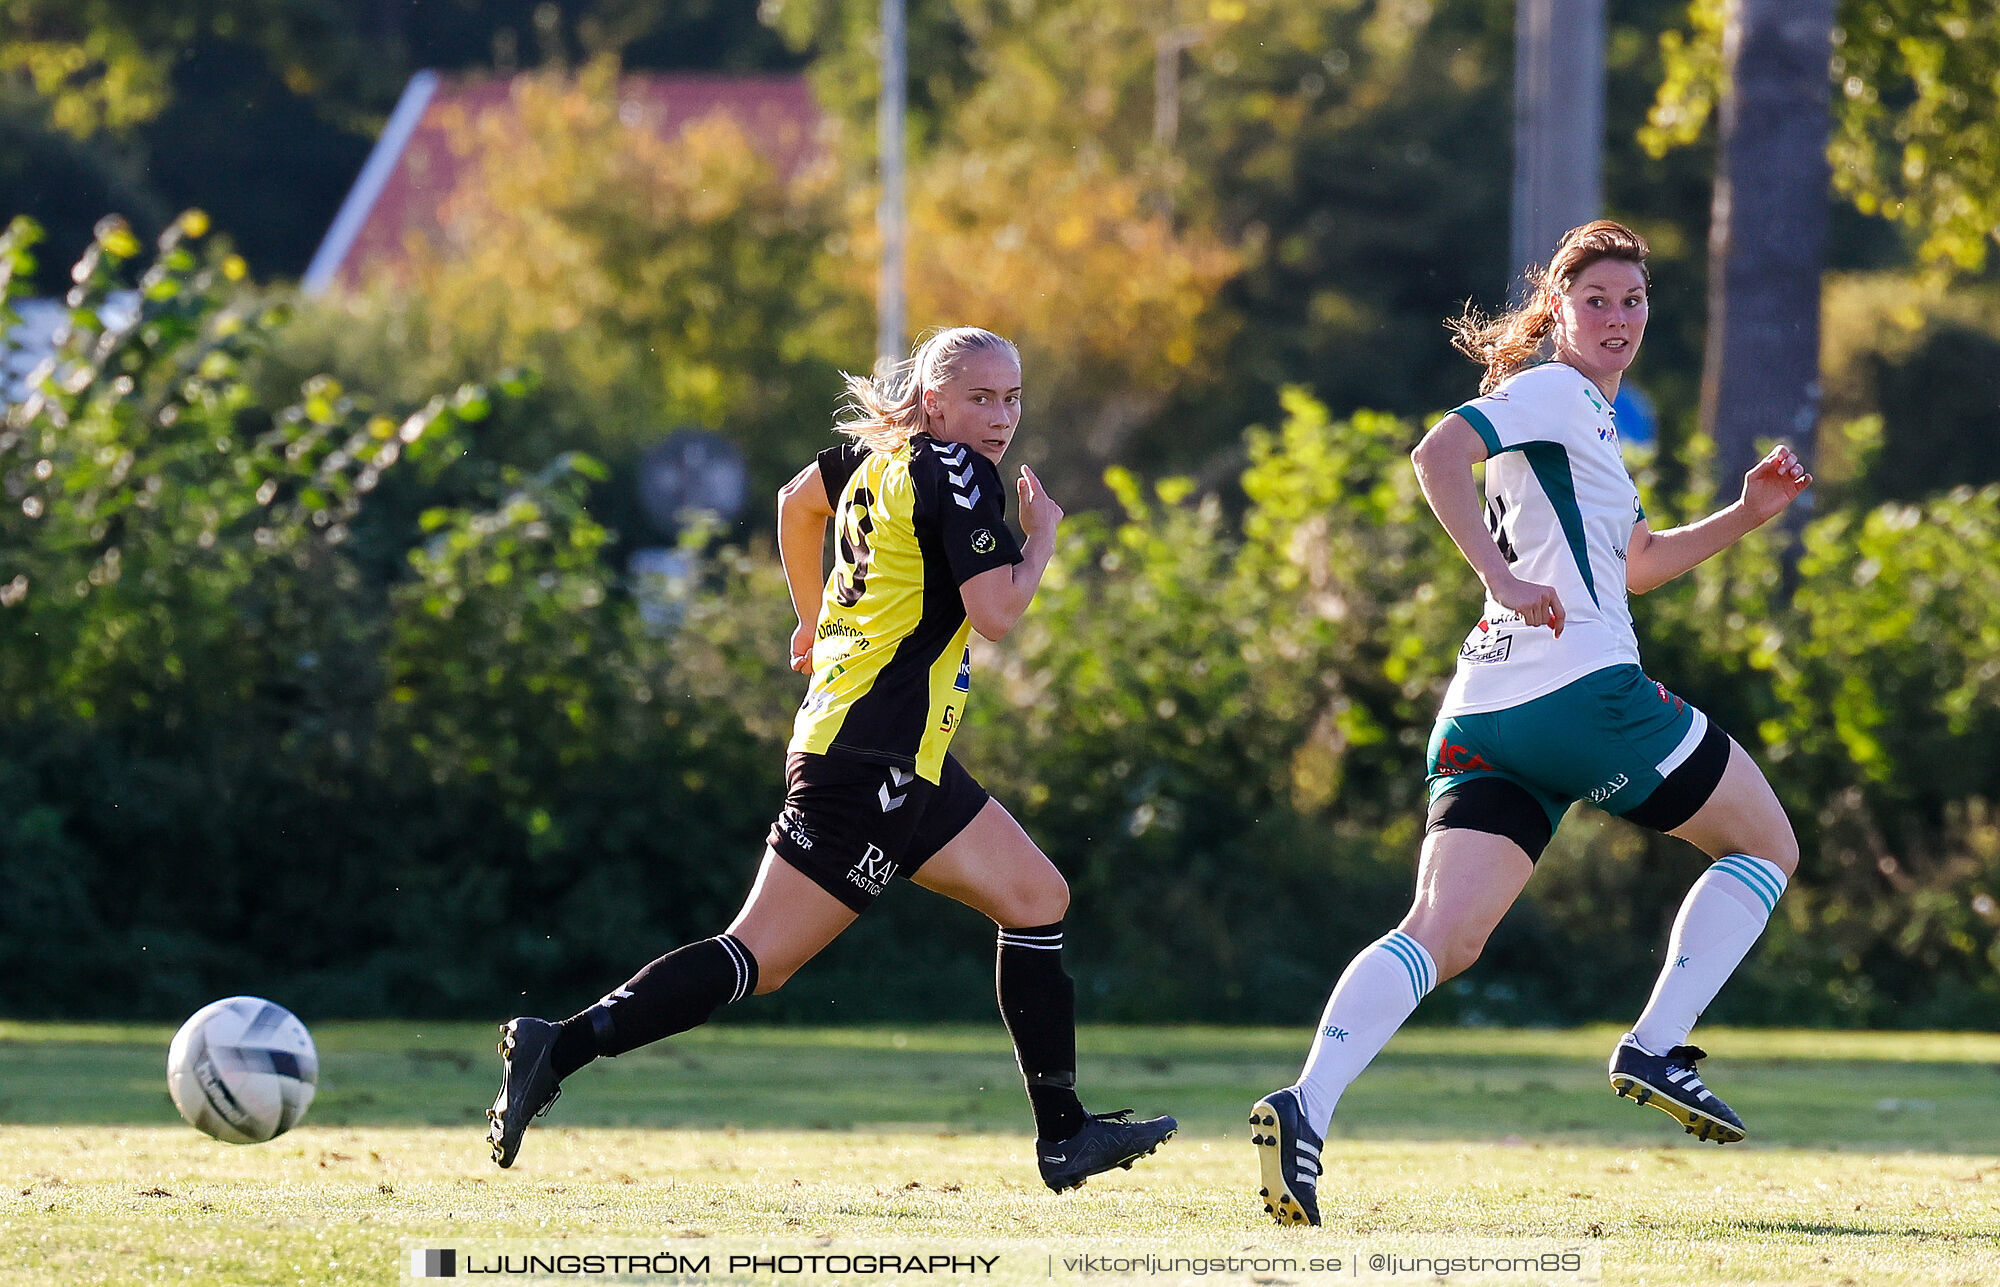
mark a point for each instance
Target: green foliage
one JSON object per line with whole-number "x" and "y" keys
{"x": 1204, "y": 710}
{"x": 1912, "y": 376}
{"x": 653, "y": 283}
{"x": 1916, "y": 90}
{"x": 1329, "y": 177}
{"x": 248, "y": 737}
{"x": 507, "y": 603}
{"x": 326, "y": 694}
{"x": 1889, "y": 681}
{"x": 164, "y": 534}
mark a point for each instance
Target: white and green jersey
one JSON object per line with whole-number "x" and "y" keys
{"x": 1561, "y": 507}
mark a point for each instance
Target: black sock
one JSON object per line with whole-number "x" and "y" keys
{"x": 677, "y": 992}
{"x": 1038, "y": 1004}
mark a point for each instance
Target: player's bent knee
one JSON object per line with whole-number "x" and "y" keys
{"x": 1043, "y": 900}
{"x": 1459, "y": 953}
{"x": 1054, "y": 897}
{"x": 1784, "y": 847}
{"x": 1453, "y": 947}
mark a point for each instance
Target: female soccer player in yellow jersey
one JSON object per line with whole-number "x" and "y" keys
{"x": 923, "y": 556}
{"x": 1549, "y": 706}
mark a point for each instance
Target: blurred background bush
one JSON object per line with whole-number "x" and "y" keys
{"x": 327, "y": 670}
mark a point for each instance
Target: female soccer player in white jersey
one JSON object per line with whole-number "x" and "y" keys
{"x": 1549, "y": 706}
{"x": 923, "y": 557}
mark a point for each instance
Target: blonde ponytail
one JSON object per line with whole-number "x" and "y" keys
{"x": 884, "y": 412}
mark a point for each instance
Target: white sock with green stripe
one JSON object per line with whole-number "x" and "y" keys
{"x": 1380, "y": 988}
{"x": 1720, "y": 919}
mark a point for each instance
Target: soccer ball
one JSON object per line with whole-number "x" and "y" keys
{"x": 243, "y": 1070}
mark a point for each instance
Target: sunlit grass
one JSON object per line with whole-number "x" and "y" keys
{"x": 1874, "y": 1158}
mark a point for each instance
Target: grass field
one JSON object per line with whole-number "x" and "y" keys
{"x": 1874, "y": 1158}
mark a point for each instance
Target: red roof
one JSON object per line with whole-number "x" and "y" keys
{"x": 414, "y": 166}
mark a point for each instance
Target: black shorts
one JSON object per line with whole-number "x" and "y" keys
{"x": 854, "y": 825}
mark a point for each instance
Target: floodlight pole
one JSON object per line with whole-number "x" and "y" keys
{"x": 891, "y": 216}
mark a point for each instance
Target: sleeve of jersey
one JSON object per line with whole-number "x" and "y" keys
{"x": 972, "y": 519}
{"x": 1499, "y": 420}
{"x": 837, "y": 465}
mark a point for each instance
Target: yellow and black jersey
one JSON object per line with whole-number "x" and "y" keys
{"x": 891, "y": 666}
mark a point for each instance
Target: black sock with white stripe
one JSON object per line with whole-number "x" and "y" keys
{"x": 1038, "y": 1004}
{"x": 677, "y": 992}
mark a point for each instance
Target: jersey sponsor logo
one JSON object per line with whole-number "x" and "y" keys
{"x": 964, "y": 681}
{"x": 1486, "y": 650}
{"x": 1607, "y": 431}
{"x": 983, "y": 542}
{"x": 950, "y": 717}
{"x": 871, "y": 872}
{"x": 828, "y": 629}
{"x": 795, "y": 829}
{"x": 1668, "y": 697}
{"x": 1453, "y": 758}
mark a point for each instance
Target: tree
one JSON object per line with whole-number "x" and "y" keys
{"x": 1331, "y": 172}
{"x": 262, "y": 111}
{"x": 654, "y": 282}
{"x": 256, "y": 724}
{"x": 1913, "y": 136}
{"x": 1767, "y": 236}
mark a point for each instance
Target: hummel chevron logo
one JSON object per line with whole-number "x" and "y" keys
{"x": 890, "y": 803}
{"x": 1336, "y": 1032}
{"x": 969, "y": 500}
{"x": 959, "y": 480}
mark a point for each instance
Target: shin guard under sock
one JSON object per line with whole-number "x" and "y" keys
{"x": 1038, "y": 1005}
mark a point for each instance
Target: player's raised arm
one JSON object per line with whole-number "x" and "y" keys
{"x": 996, "y": 599}
{"x": 803, "y": 509}
{"x": 1655, "y": 558}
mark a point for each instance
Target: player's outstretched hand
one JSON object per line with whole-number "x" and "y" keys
{"x": 1539, "y": 605}
{"x": 1039, "y": 514}
{"x": 1773, "y": 483}
{"x": 802, "y": 648}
